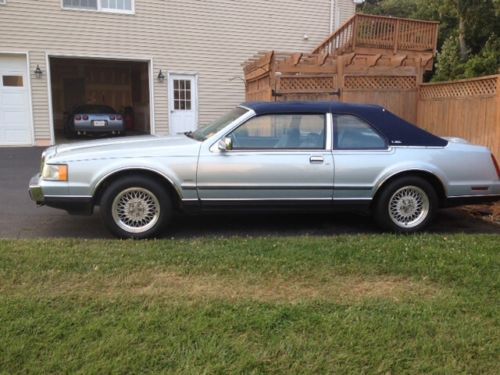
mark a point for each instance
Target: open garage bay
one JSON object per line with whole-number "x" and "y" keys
{"x": 121, "y": 85}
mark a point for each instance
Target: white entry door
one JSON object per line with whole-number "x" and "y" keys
{"x": 15, "y": 124}
{"x": 183, "y": 103}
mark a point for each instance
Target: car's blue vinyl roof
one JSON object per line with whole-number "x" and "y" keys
{"x": 395, "y": 129}
{"x": 304, "y": 107}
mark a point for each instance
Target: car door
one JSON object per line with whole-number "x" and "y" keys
{"x": 274, "y": 157}
{"x": 360, "y": 155}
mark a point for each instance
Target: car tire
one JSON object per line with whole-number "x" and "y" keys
{"x": 406, "y": 205}
{"x": 68, "y": 133}
{"x": 136, "y": 207}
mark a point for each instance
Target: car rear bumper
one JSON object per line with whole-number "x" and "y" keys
{"x": 466, "y": 200}
{"x": 99, "y": 129}
{"x": 74, "y": 205}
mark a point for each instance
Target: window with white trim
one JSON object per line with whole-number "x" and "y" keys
{"x": 80, "y": 4}
{"x": 119, "y": 6}
{"x": 3, "y": 2}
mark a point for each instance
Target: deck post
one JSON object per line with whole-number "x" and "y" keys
{"x": 396, "y": 36}
{"x": 354, "y": 32}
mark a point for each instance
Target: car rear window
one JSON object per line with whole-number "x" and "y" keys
{"x": 94, "y": 109}
{"x": 352, "y": 133}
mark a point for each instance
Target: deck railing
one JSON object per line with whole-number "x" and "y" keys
{"x": 380, "y": 32}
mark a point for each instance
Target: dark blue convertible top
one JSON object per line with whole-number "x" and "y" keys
{"x": 395, "y": 129}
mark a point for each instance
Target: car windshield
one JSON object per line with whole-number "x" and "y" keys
{"x": 205, "y": 132}
{"x": 94, "y": 109}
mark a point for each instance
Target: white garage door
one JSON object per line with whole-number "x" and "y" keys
{"x": 15, "y": 124}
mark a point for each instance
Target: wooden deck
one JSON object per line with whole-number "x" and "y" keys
{"x": 370, "y": 52}
{"x": 380, "y": 34}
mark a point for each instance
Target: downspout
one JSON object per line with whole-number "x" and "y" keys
{"x": 332, "y": 16}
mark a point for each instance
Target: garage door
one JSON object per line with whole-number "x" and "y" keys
{"x": 15, "y": 124}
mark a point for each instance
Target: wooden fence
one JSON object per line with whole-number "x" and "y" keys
{"x": 468, "y": 109}
{"x": 396, "y": 93}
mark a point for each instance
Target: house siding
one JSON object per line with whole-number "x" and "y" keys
{"x": 208, "y": 37}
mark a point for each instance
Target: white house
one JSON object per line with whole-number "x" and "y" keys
{"x": 176, "y": 63}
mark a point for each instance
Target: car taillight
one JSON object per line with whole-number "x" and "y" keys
{"x": 78, "y": 117}
{"x": 119, "y": 117}
{"x": 85, "y": 117}
{"x": 111, "y": 117}
{"x": 495, "y": 163}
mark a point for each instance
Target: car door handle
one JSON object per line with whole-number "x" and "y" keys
{"x": 316, "y": 159}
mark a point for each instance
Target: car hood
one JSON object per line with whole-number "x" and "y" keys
{"x": 137, "y": 146}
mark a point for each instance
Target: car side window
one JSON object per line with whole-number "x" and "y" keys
{"x": 281, "y": 131}
{"x": 352, "y": 133}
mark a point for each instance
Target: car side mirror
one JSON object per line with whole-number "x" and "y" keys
{"x": 225, "y": 144}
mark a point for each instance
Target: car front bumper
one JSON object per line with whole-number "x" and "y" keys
{"x": 75, "y": 205}
{"x": 35, "y": 190}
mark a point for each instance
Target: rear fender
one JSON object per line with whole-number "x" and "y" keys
{"x": 408, "y": 168}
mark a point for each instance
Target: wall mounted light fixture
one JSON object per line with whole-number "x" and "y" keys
{"x": 161, "y": 77}
{"x": 38, "y": 72}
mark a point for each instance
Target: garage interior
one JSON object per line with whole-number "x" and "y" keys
{"x": 123, "y": 85}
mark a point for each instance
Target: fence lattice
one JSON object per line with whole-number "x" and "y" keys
{"x": 461, "y": 89}
{"x": 380, "y": 82}
{"x": 307, "y": 83}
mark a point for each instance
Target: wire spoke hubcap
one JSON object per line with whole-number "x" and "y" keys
{"x": 136, "y": 210}
{"x": 408, "y": 206}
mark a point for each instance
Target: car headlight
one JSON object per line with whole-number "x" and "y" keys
{"x": 55, "y": 172}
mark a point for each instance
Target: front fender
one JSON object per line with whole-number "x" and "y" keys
{"x": 87, "y": 176}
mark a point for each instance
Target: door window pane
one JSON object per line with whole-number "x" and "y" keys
{"x": 182, "y": 94}
{"x": 297, "y": 131}
{"x": 12, "y": 81}
{"x": 352, "y": 133}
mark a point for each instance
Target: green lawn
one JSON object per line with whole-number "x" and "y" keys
{"x": 345, "y": 304}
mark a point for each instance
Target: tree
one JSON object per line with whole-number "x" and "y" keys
{"x": 468, "y": 32}
{"x": 485, "y": 62}
{"x": 448, "y": 65}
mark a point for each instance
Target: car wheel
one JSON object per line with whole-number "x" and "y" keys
{"x": 136, "y": 207}
{"x": 68, "y": 133}
{"x": 406, "y": 205}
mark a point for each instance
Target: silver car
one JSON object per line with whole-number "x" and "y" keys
{"x": 94, "y": 119}
{"x": 270, "y": 156}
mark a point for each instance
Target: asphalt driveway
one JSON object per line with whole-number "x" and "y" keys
{"x": 20, "y": 218}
